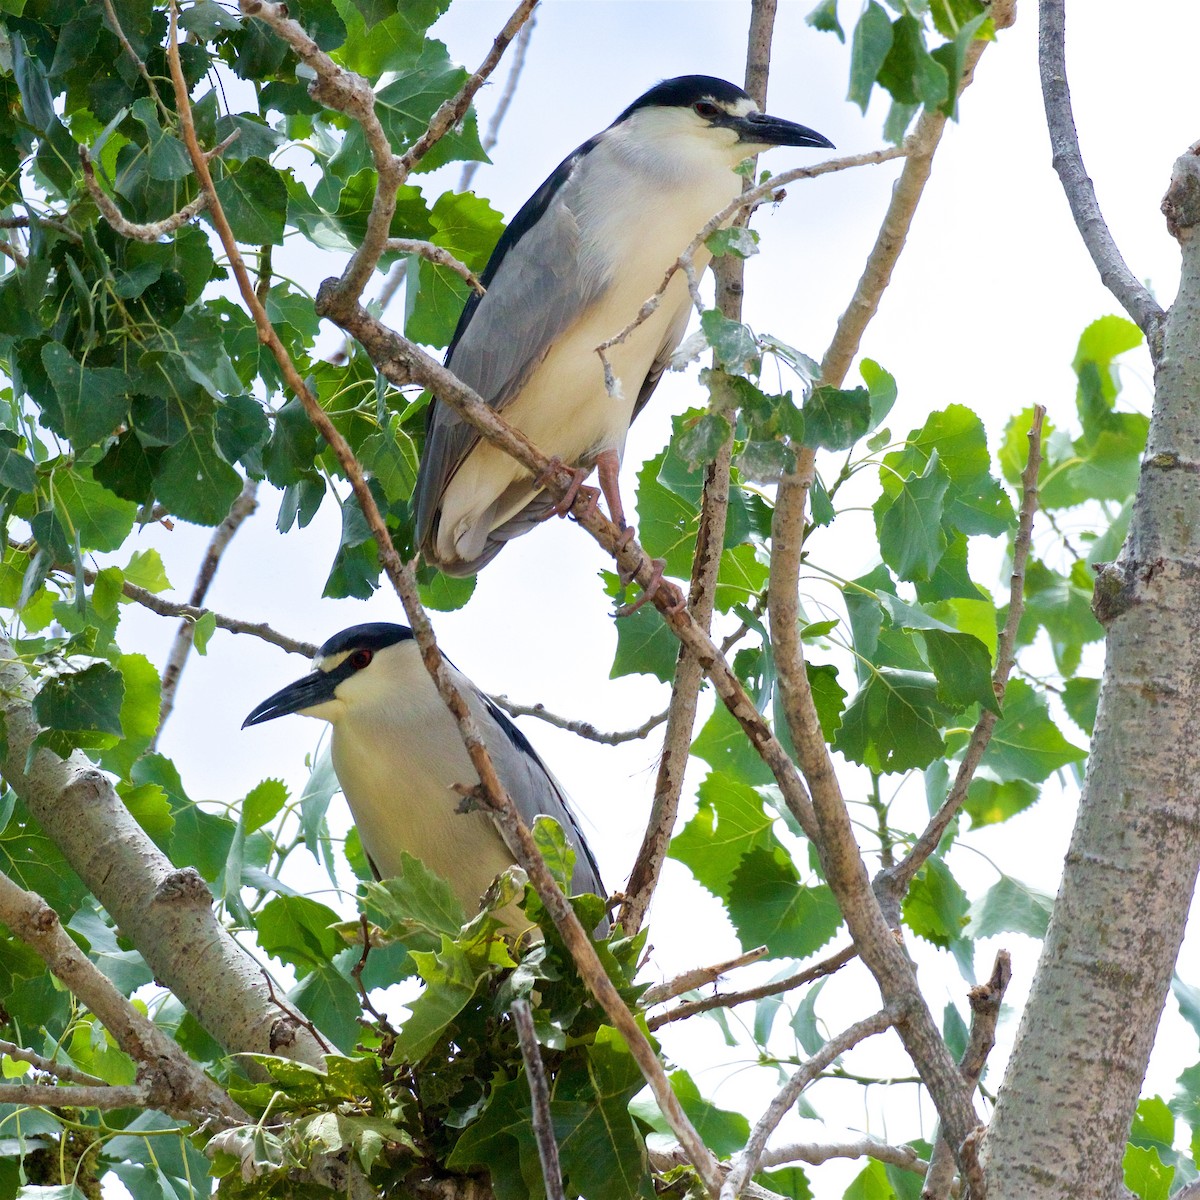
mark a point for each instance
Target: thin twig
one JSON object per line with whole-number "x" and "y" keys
{"x": 492, "y": 792}
{"x": 172, "y": 608}
{"x": 111, "y": 14}
{"x": 892, "y": 882}
{"x": 242, "y": 507}
{"x": 150, "y": 231}
{"x": 698, "y": 977}
{"x": 583, "y": 728}
{"x": 49, "y": 1066}
{"x": 10, "y": 251}
{"x": 691, "y": 1008}
{"x": 436, "y": 255}
{"x": 706, "y": 560}
{"x": 747, "y": 1161}
{"x": 985, "y": 1001}
{"x": 539, "y": 1092}
{"x": 1130, "y": 292}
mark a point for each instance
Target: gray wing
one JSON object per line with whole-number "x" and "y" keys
{"x": 534, "y": 789}
{"x": 535, "y": 290}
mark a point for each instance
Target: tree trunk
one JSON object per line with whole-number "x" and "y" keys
{"x": 1068, "y": 1098}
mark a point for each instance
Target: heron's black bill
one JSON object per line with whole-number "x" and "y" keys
{"x": 305, "y": 693}
{"x": 766, "y": 130}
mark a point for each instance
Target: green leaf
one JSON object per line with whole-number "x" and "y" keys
{"x": 869, "y": 49}
{"x": 1011, "y": 906}
{"x": 834, "y": 419}
{"x": 601, "y": 1150}
{"x": 451, "y": 976}
{"x": 417, "y": 900}
{"x": 203, "y": 629}
{"x": 722, "y": 1131}
{"x": 723, "y": 744}
{"x": 882, "y": 389}
{"x": 909, "y": 72}
{"x": 738, "y": 240}
{"x": 733, "y": 344}
{"x": 139, "y": 713}
{"x": 93, "y": 401}
{"x": 194, "y": 481}
{"x": 730, "y": 823}
{"x": 911, "y": 541}
{"x": 101, "y": 520}
{"x": 769, "y": 907}
{"x": 892, "y": 724}
{"x": 502, "y": 1141}
{"x": 645, "y": 645}
{"x": 552, "y": 843}
{"x": 824, "y": 17}
{"x": 263, "y": 803}
{"x": 935, "y": 907}
{"x": 254, "y": 198}
{"x": 963, "y": 668}
{"x": 989, "y": 802}
{"x": 1146, "y": 1175}
{"x": 332, "y": 1003}
{"x": 297, "y": 930}
{"x": 81, "y": 697}
{"x": 699, "y": 443}
{"x": 1026, "y": 743}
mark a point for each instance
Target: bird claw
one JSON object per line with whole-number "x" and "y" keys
{"x": 658, "y": 583}
{"x": 562, "y": 506}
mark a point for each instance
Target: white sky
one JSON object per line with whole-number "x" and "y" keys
{"x": 985, "y": 309}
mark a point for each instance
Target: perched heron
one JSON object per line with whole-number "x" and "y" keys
{"x": 571, "y": 271}
{"x": 398, "y": 755}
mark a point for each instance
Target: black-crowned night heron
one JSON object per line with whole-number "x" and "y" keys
{"x": 571, "y": 271}
{"x": 398, "y": 755}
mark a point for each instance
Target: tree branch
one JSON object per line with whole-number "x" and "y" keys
{"x": 49, "y": 1066}
{"x": 985, "y": 1002}
{"x": 698, "y": 977}
{"x": 150, "y": 231}
{"x": 241, "y": 508}
{"x": 583, "y": 728}
{"x": 748, "y": 1160}
{"x": 539, "y": 1092}
{"x": 706, "y": 561}
{"x": 434, "y": 254}
{"x": 691, "y": 1008}
{"x": 104, "y": 1096}
{"x": 904, "y": 1157}
{"x": 170, "y": 1080}
{"x": 892, "y": 882}
{"x": 1131, "y": 294}
{"x": 190, "y": 612}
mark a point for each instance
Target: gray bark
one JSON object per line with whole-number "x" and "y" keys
{"x": 1081, "y": 1051}
{"x": 165, "y": 912}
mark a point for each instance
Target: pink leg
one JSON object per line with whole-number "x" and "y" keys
{"x": 678, "y": 602}
{"x": 579, "y": 474}
{"x": 607, "y": 467}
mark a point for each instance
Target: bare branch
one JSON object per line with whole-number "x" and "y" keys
{"x": 904, "y": 1157}
{"x": 151, "y": 231}
{"x": 190, "y": 612}
{"x": 49, "y": 1066}
{"x": 747, "y": 1161}
{"x": 10, "y": 251}
{"x": 892, "y": 882}
{"x": 110, "y": 14}
{"x": 583, "y": 728}
{"x": 985, "y": 1001}
{"x": 691, "y": 1008}
{"x": 698, "y": 977}
{"x": 1131, "y": 294}
{"x": 434, "y": 254}
{"x": 104, "y": 1096}
{"x": 172, "y": 1082}
{"x": 241, "y": 508}
{"x": 539, "y": 1092}
{"x": 516, "y": 67}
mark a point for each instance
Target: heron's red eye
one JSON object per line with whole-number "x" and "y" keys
{"x": 361, "y": 658}
{"x": 705, "y": 109}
